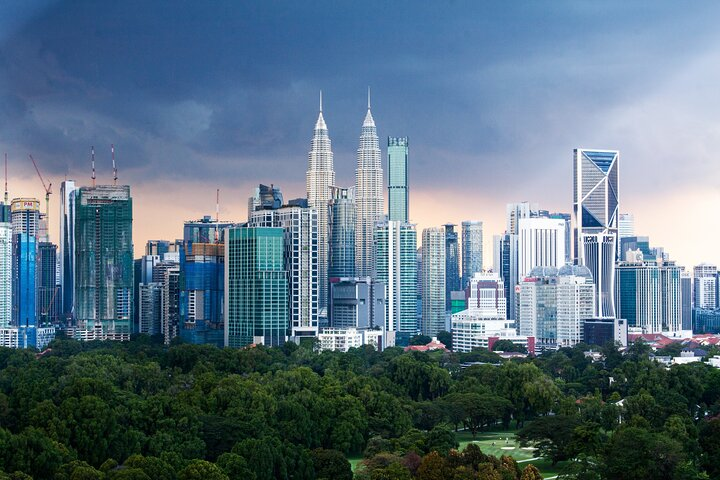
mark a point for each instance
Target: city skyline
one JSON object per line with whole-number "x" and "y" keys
{"x": 62, "y": 96}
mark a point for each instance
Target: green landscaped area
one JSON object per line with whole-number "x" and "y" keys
{"x": 494, "y": 443}
{"x": 486, "y": 440}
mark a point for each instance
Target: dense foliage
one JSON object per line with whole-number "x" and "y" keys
{"x": 140, "y": 410}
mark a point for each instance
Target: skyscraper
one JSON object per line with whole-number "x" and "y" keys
{"x": 202, "y": 282}
{"x": 541, "y": 243}
{"x": 24, "y": 279}
{"x": 433, "y": 281}
{"x": 705, "y": 285}
{"x": 395, "y": 253}
{"x": 25, "y": 214}
{"x": 103, "y": 263}
{"x": 300, "y": 226}
{"x": 626, "y": 226}
{"x": 369, "y": 195}
{"x": 67, "y": 247}
{"x": 398, "y": 179}
{"x": 452, "y": 263}
{"x": 343, "y": 213}
{"x": 265, "y": 197}
{"x": 256, "y": 287}
{"x": 595, "y": 215}
{"x": 649, "y": 293}
{"x": 5, "y": 274}
{"x": 320, "y": 176}
{"x": 48, "y": 299}
{"x": 686, "y": 290}
{"x": 472, "y": 250}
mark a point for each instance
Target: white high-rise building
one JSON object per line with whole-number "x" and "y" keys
{"x": 5, "y": 274}
{"x": 705, "y": 285}
{"x": 319, "y": 178}
{"x": 368, "y": 195}
{"x": 626, "y": 225}
{"x": 554, "y": 303}
{"x": 301, "y": 260}
{"x": 433, "y": 281}
{"x": 541, "y": 243}
{"x": 595, "y": 216}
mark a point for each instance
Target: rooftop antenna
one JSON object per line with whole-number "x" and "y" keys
{"x": 92, "y": 156}
{"x": 368, "y": 97}
{"x": 320, "y": 101}
{"x": 217, "y": 214}
{"x": 6, "y": 190}
{"x": 112, "y": 149}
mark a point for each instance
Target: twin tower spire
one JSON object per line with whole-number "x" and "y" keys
{"x": 368, "y": 194}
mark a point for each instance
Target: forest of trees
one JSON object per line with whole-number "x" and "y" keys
{"x": 140, "y": 410}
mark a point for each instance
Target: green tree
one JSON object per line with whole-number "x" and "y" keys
{"x": 445, "y": 338}
{"x": 202, "y": 470}
{"x": 634, "y": 454}
{"x": 420, "y": 340}
{"x": 531, "y": 473}
{"x": 235, "y": 466}
{"x": 552, "y": 436}
{"x": 331, "y": 465}
{"x": 508, "y": 346}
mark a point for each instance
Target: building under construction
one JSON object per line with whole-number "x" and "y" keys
{"x": 103, "y": 270}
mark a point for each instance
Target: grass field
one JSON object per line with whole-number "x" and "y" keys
{"x": 493, "y": 443}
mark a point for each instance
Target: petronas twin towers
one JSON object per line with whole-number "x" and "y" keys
{"x": 368, "y": 194}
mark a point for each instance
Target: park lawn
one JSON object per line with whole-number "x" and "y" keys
{"x": 354, "y": 460}
{"x": 512, "y": 448}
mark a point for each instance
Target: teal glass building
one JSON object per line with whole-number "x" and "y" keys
{"x": 256, "y": 287}
{"x": 398, "y": 179}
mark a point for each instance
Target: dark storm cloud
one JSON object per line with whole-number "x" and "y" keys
{"x": 492, "y": 90}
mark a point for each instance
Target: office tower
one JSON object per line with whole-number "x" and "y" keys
{"x": 600, "y": 331}
{"x": 705, "y": 285}
{"x": 418, "y": 287}
{"x": 485, "y": 317}
{"x": 300, "y": 226}
{"x": 368, "y": 195}
{"x": 595, "y": 214}
{"x": 170, "y": 320}
{"x": 541, "y": 243}
{"x": 554, "y": 304}
{"x": 357, "y": 303}
{"x": 396, "y": 267}
{"x": 472, "y": 250}
{"x": 48, "y": 297}
{"x": 103, "y": 263}
{"x": 320, "y": 176}
{"x": 150, "y": 308}
{"x": 398, "y": 200}
{"x": 649, "y": 293}
{"x": 433, "y": 281}
{"x": 452, "y": 263}
{"x": 25, "y": 215}
{"x": 6, "y": 273}
{"x": 567, "y": 218}
{"x": 341, "y": 228}
{"x": 161, "y": 247}
{"x": 626, "y": 225}
{"x": 458, "y": 301}
{"x": 67, "y": 247}
{"x": 24, "y": 258}
{"x": 515, "y": 211}
{"x": 265, "y": 197}
{"x": 686, "y": 300}
{"x": 256, "y": 287}
{"x": 202, "y": 281}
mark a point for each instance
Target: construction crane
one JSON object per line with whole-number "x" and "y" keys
{"x": 48, "y": 189}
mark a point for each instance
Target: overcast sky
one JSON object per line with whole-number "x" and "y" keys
{"x": 493, "y": 96}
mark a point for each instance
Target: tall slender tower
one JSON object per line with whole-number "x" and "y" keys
{"x": 369, "y": 195}
{"x": 320, "y": 176}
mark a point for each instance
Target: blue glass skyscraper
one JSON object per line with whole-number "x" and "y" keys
{"x": 24, "y": 278}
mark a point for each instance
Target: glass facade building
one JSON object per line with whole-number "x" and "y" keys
{"x": 342, "y": 217}
{"x": 67, "y": 247}
{"x": 6, "y": 273}
{"x": 472, "y": 250}
{"x": 396, "y": 267}
{"x": 398, "y": 198}
{"x": 24, "y": 280}
{"x": 48, "y": 295}
{"x": 595, "y": 214}
{"x": 452, "y": 263}
{"x": 202, "y": 282}
{"x": 103, "y": 263}
{"x": 256, "y": 287}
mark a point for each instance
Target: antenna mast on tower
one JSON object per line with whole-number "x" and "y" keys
{"x": 112, "y": 148}
{"x": 92, "y": 157}
{"x": 6, "y": 190}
